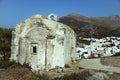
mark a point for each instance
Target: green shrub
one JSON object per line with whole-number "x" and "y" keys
{"x": 84, "y": 41}
{"x": 42, "y": 76}
{"x": 67, "y": 66}
{"x": 117, "y": 54}
{"x": 74, "y": 76}
{"x": 6, "y": 64}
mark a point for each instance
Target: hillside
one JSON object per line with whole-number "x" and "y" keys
{"x": 97, "y": 27}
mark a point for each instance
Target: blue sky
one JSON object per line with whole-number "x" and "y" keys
{"x": 13, "y": 12}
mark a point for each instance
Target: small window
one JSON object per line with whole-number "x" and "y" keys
{"x": 78, "y": 51}
{"x": 85, "y": 52}
{"x": 34, "y": 49}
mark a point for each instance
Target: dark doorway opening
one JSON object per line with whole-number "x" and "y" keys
{"x": 34, "y": 49}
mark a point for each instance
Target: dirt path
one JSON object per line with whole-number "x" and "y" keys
{"x": 96, "y": 64}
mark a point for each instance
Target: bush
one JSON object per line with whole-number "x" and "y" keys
{"x": 74, "y": 76}
{"x": 67, "y": 66}
{"x": 117, "y": 54}
{"x": 5, "y": 42}
{"x": 84, "y": 41}
{"x": 6, "y": 64}
{"x": 42, "y": 76}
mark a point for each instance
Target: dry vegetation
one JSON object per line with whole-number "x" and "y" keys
{"x": 17, "y": 72}
{"x": 73, "y": 72}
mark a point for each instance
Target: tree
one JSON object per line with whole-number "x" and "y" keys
{"x": 4, "y": 48}
{"x": 5, "y": 41}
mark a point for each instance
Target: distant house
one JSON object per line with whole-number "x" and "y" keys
{"x": 43, "y": 43}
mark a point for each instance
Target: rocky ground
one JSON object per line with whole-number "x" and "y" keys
{"x": 111, "y": 61}
{"x": 102, "y": 75}
{"x": 96, "y": 64}
{"x": 108, "y": 70}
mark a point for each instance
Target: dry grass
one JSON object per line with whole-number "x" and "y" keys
{"x": 16, "y": 72}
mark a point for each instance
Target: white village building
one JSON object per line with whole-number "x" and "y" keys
{"x": 43, "y": 43}
{"x": 103, "y": 47}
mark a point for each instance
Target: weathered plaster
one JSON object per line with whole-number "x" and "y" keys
{"x": 54, "y": 43}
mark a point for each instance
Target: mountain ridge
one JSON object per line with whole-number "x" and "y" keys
{"x": 98, "y": 26}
